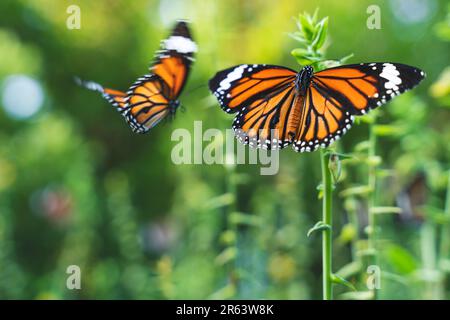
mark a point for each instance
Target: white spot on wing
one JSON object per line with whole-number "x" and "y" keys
{"x": 225, "y": 84}
{"x": 180, "y": 44}
{"x": 391, "y": 74}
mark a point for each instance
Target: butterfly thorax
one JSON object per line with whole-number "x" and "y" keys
{"x": 173, "y": 106}
{"x": 303, "y": 80}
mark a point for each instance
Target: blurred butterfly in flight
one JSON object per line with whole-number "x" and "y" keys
{"x": 277, "y": 106}
{"x": 154, "y": 96}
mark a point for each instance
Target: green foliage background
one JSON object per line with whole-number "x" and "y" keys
{"x": 77, "y": 187}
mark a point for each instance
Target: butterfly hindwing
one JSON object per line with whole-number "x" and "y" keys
{"x": 147, "y": 103}
{"x": 268, "y": 121}
{"x": 322, "y": 121}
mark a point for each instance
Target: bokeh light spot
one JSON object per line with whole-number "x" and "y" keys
{"x": 22, "y": 96}
{"x": 413, "y": 11}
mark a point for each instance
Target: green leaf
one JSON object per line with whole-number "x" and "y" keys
{"x": 388, "y": 130}
{"x": 374, "y": 161}
{"x": 297, "y": 36}
{"x": 400, "y": 259}
{"x": 240, "y": 218}
{"x": 304, "y": 56}
{"x": 313, "y": 18}
{"x": 346, "y": 58}
{"x": 320, "y": 194}
{"x": 300, "y": 53}
{"x": 366, "y": 252}
{"x": 227, "y": 292}
{"x": 340, "y": 155}
{"x": 306, "y": 27}
{"x": 385, "y": 210}
{"x": 350, "y": 269}
{"x": 394, "y": 277}
{"x": 362, "y": 146}
{"x": 367, "y": 118}
{"x": 353, "y": 191}
{"x": 319, "y": 226}
{"x": 339, "y": 280}
{"x": 348, "y": 233}
{"x": 320, "y": 34}
{"x": 228, "y": 237}
{"x": 326, "y": 64}
{"x": 335, "y": 167}
{"x": 220, "y": 201}
{"x": 227, "y": 255}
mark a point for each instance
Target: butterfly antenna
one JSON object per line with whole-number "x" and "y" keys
{"x": 77, "y": 80}
{"x": 88, "y": 84}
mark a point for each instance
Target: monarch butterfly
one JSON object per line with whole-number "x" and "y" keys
{"x": 277, "y": 106}
{"x": 155, "y": 96}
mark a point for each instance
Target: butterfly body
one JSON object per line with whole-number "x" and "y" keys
{"x": 303, "y": 80}
{"x": 155, "y": 96}
{"x": 277, "y": 106}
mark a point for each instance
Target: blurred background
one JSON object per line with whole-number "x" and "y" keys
{"x": 77, "y": 187}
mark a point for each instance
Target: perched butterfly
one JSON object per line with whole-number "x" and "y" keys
{"x": 277, "y": 106}
{"x": 155, "y": 96}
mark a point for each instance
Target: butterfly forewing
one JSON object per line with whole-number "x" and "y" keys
{"x": 365, "y": 86}
{"x": 174, "y": 60}
{"x": 237, "y": 87}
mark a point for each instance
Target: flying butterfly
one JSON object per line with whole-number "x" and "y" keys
{"x": 154, "y": 96}
{"x": 277, "y": 106}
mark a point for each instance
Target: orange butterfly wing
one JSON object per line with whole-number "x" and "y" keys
{"x": 147, "y": 103}
{"x": 323, "y": 119}
{"x": 365, "y": 86}
{"x": 276, "y": 108}
{"x": 269, "y": 122}
{"x": 115, "y": 97}
{"x": 335, "y": 95}
{"x": 239, "y": 86}
{"x": 174, "y": 60}
{"x": 263, "y": 96}
{"x": 153, "y": 97}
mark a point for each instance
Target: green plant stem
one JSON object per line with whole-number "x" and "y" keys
{"x": 353, "y": 219}
{"x": 327, "y": 218}
{"x": 371, "y": 201}
{"x": 428, "y": 250}
{"x": 232, "y": 266}
{"x": 444, "y": 249}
